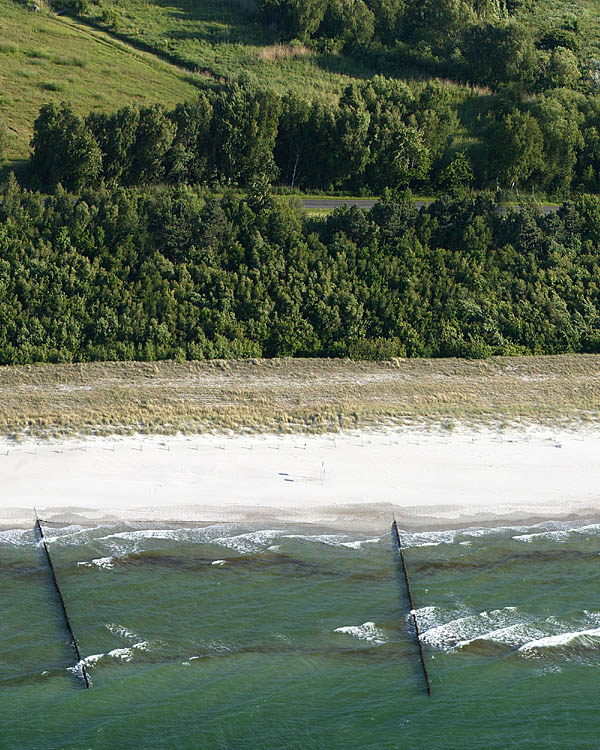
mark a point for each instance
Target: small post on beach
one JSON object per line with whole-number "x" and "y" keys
{"x": 80, "y": 662}
{"x": 396, "y": 536}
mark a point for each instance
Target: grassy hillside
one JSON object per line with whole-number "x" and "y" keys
{"x": 124, "y": 53}
{"x": 224, "y": 38}
{"x": 48, "y": 58}
{"x": 142, "y": 51}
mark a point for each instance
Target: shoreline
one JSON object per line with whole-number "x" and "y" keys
{"x": 354, "y": 481}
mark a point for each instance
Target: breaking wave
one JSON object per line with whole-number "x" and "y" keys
{"x": 559, "y": 534}
{"x": 460, "y": 631}
{"x": 17, "y": 537}
{"x": 122, "y": 631}
{"x": 250, "y": 542}
{"x": 365, "y": 632}
{"x": 563, "y": 644}
{"x": 107, "y": 563}
{"x": 507, "y": 630}
{"x": 117, "y": 654}
{"x": 334, "y": 540}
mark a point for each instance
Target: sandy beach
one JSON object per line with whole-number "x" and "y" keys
{"x": 355, "y": 480}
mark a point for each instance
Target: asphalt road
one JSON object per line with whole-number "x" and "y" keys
{"x": 328, "y": 204}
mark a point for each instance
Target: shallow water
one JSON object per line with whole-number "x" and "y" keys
{"x": 233, "y": 637}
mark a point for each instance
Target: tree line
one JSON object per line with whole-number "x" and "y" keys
{"x": 172, "y": 273}
{"x": 382, "y": 133}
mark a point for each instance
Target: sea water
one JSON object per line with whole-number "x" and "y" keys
{"x": 231, "y": 636}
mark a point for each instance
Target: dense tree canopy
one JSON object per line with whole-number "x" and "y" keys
{"x": 381, "y": 134}
{"x": 172, "y": 274}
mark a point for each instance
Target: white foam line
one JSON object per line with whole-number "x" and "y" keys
{"x": 365, "y": 632}
{"x": 123, "y": 654}
{"x": 122, "y": 631}
{"x": 586, "y": 638}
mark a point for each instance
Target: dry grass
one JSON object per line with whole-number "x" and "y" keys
{"x": 294, "y": 395}
{"x": 283, "y": 51}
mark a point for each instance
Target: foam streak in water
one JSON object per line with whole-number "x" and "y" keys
{"x": 365, "y": 632}
{"x": 563, "y": 643}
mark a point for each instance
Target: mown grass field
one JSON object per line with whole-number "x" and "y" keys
{"x": 46, "y": 58}
{"x": 284, "y": 395}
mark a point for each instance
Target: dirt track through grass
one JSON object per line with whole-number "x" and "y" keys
{"x": 295, "y": 395}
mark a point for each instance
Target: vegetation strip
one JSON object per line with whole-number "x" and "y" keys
{"x": 296, "y": 395}
{"x": 80, "y": 661}
{"x": 173, "y": 274}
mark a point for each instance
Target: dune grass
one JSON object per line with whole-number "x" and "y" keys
{"x": 287, "y": 395}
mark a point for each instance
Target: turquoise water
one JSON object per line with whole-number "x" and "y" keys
{"x": 235, "y": 637}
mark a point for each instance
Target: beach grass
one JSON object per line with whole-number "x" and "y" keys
{"x": 296, "y": 395}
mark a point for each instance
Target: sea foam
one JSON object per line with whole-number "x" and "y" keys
{"x": 334, "y": 540}
{"x": 253, "y": 541}
{"x": 122, "y": 631}
{"x": 119, "y": 654}
{"x": 16, "y": 537}
{"x": 108, "y": 563}
{"x": 459, "y": 632}
{"x": 563, "y": 643}
{"x": 365, "y": 632}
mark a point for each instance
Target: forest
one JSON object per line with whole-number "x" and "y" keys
{"x": 140, "y": 228}
{"x": 173, "y": 273}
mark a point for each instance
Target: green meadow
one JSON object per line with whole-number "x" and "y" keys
{"x": 140, "y": 52}
{"x": 223, "y": 39}
{"x": 49, "y": 58}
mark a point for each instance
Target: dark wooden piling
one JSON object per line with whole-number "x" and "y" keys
{"x": 396, "y": 536}
{"x": 80, "y": 662}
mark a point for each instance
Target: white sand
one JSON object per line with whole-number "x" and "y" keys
{"x": 353, "y": 481}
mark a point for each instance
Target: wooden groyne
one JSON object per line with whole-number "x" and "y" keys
{"x": 396, "y": 536}
{"x": 80, "y": 662}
